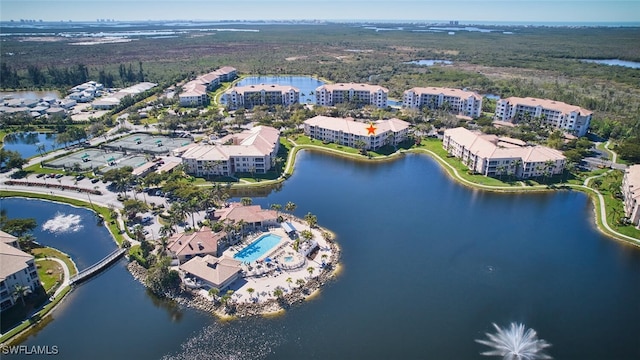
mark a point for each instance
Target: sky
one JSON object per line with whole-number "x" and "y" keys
{"x": 562, "y": 11}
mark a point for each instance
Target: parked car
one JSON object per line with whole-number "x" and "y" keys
{"x": 40, "y": 175}
{"x": 94, "y": 180}
{"x": 79, "y": 177}
{"x": 59, "y": 176}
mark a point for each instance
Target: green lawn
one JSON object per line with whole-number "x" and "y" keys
{"x": 50, "y": 273}
{"x": 44, "y": 252}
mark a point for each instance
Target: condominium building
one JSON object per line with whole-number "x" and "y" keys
{"x": 194, "y": 93}
{"x": 361, "y": 94}
{"x": 458, "y": 101}
{"x": 17, "y": 269}
{"x": 569, "y": 118}
{"x": 491, "y": 155}
{"x": 631, "y": 194}
{"x": 349, "y": 132}
{"x": 263, "y": 94}
{"x": 250, "y": 151}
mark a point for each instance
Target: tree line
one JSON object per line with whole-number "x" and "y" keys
{"x": 36, "y": 76}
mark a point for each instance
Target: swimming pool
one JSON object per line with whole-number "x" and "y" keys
{"x": 257, "y": 248}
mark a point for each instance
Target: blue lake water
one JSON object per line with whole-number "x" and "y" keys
{"x": 428, "y": 265}
{"x": 430, "y": 62}
{"x": 614, "y": 62}
{"x": 27, "y": 144}
{"x": 34, "y": 95}
{"x": 306, "y": 84}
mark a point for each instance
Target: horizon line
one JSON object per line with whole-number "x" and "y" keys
{"x": 392, "y": 21}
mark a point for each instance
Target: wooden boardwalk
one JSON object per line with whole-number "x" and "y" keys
{"x": 97, "y": 267}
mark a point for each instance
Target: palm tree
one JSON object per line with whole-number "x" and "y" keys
{"x": 300, "y": 282}
{"x": 500, "y": 170}
{"x": 278, "y": 292}
{"x": 26, "y": 241}
{"x": 290, "y": 207}
{"x": 213, "y": 292}
{"x": 40, "y": 148}
{"x": 289, "y": 281}
{"x": 240, "y": 226}
{"x": 246, "y": 201}
{"x": 277, "y": 208}
{"x": 163, "y": 244}
{"x": 311, "y": 219}
{"x": 310, "y": 269}
{"x": 517, "y": 163}
{"x": 229, "y": 227}
{"x": 306, "y": 235}
{"x": 192, "y": 207}
{"x": 179, "y": 211}
{"x": 138, "y": 232}
{"x": 21, "y": 291}
{"x": 360, "y": 145}
{"x": 250, "y": 291}
{"x": 166, "y": 230}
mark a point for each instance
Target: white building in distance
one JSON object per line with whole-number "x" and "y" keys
{"x": 110, "y": 101}
{"x": 458, "y": 101}
{"x": 491, "y": 155}
{"x": 17, "y": 268}
{"x": 263, "y": 94}
{"x": 348, "y": 132}
{"x": 362, "y": 94}
{"x": 569, "y": 118}
{"x": 252, "y": 150}
{"x": 631, "y": 194}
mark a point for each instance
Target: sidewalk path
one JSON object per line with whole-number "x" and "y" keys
{"x": 67, "y": 275}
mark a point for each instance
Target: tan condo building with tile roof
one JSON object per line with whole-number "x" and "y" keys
{"x": 348, "y": 131}
{"x": 194, "y": 93}
{"x": 458, "y": 101}
{"x": 17, "y": 268}
{"x": 363, "y": 94}
{"x": 264, "y": 94}
{"x": 253, "y": 150}
{"x": 631, "y": 194}
{"x": 491, "y": 155}
{"x": 566, "y": 117}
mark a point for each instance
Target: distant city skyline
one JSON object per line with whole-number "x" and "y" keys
{"x": 499, "y": 11}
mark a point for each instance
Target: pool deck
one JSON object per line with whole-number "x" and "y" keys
{"x": 265, "y": 284}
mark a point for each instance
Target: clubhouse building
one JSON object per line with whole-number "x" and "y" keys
{"x": 631, "y": 194}
{"x": 348, "y": 132}
{"x": 570, "y": 118}
{"x": 264, "y": 94}
{"x": 361, "y": 94}
{"x": 491, "y": 155}
{"x": 457, "y": 101}
{"x": 253, "y": 150}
